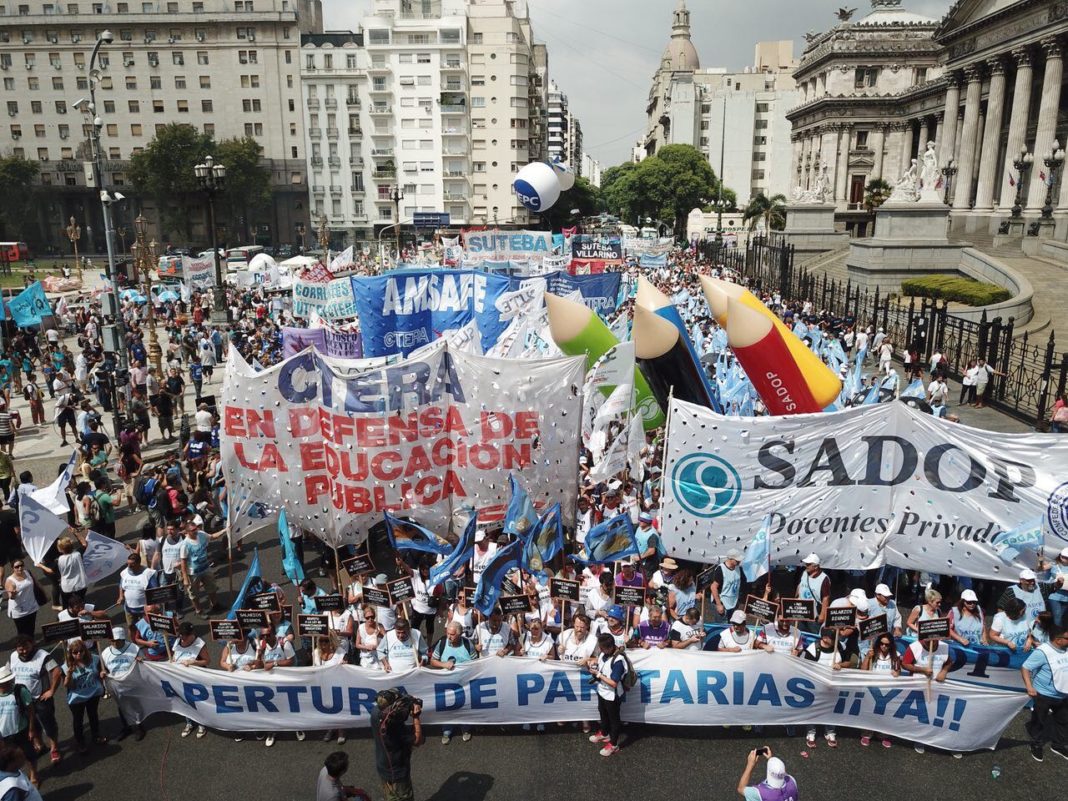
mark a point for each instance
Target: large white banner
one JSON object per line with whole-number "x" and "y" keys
{"x": 861, "y": 487}
{"x": 331, "y": 301}
{"x": 429, "y": 438}
{"x": 689, "y": 688}
{"x": 508, "y": 245}
{"x": 198, "y": 273}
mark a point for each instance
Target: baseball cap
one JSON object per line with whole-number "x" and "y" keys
{"x": 118, "y": 633}
{"x": 645, "y": 517}
{"x": 737, "y": 616}
{"x": 1064, "y": 553}
{"x": 862, "y": 604}
{"x": 857, "y": 594}
{"x": 1027, "y": 575}
{"x": 480, "y": 535}
{"x": 5, "y": 674}
{"x": 811, "y": 559}
{"x": 734, "y": 554}
{"x": 969, "y": 595}
{"x": 884, "y": 591}
{"x": 616, "y": 611}
{"x": 381, "y": 578}
{"x": 776, "y": 773}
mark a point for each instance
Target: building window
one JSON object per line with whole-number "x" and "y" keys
{"x": 134, "y": 106}
{"x": 862, "y": 140}
{"x": 476, "y": 38}
{"x": 183, "y": 106}
{"x": 202, "y": 57}
{"x": 131, "y": 82}
{"x": 35, "y": 107}
{"x": 179, "y": 82}
{"x": 135, "y": 129}
{"x": 761, "y": 108}
{"x": 865, "y": 77}
{"x": 209, "y": 128}
{"x": 155, "y": 82}
{"x": 205, "y": 82}
{"x": 206, "y": 106}
{"x": 253, "y": 129}
{"x": 61, "y": 107}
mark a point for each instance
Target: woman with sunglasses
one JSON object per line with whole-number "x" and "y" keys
{"x": 463, "y": 614}
{"x": 22, "y": 605}
{"x": 366, "y": 636}
{"x": 967, "y": 623}
{"x": 327, "y": 654}
{"x": 884, "y": 660}
{"x": 84, "y": 682}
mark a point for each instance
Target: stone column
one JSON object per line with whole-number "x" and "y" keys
{"x": 1047, "y": 121}
{"x": 906, "y": 147}
{"x": 924, "y": 136}
{"x": 948, "y": 138}
{"x": 841, "y": 170}
{"x": 962, "y": 192}
{"x": 878, "y": 142}
{"x": 1021, "y": 108}
{"x": 988, "y": 159}
{"x": 892, "y": 162}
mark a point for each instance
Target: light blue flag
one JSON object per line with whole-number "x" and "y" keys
{"x": 914, "y": 390}
{"x": 546, "y": 541}
{"x": 609, "y": 541}
{"x": 521, "y": 516}
{"x": 489, "y": 584}
{"x": 873, "y": 395}
{"x": 460, "y": 554}
{"x": 290, "y": 561}
{"x": 29, "y": 306}
{"x": 1028, "y": 536}
{"x": 404, "y": 535}
{"x": 758, "y": 554}
{"x": 253, "y": 573}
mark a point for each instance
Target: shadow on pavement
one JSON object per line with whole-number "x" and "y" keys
{"x": 464, "y": 787}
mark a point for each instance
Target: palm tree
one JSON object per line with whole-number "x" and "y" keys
{"x": 876, "y": 193}
{"x": 770, "y": 210}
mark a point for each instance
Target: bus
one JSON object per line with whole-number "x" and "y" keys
{"x": 238, "y": 258}
{"x": 14, "y": 251}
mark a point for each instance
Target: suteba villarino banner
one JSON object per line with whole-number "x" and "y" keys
{"x": 339, "y": 442}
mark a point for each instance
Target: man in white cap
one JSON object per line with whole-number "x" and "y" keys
{"x": 484, "y": 551}
{"x": 1056, "y": 575}
{"x": 815, "y": 585}
{"x": 119, "y": 659}
{"x": 1027, "y": 591}
{"x": 737, "y": 637}
{"x": 884, "y": 604}
{"x": 726, "y": 587}
{"x": 778, "y": 785}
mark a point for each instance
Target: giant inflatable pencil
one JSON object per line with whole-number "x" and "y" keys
{"x": 665, "y": 360}
{"x": 651, "y": 298}
{"x": 823, "y": 384}
{"x": 766, "y": 359}
{"x": 577, "y": 330}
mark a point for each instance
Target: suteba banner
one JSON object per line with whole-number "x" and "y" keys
{"x": 675, "y": 688}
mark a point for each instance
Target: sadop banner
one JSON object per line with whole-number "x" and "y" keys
{"x": 688, "y": 688}
{"x": 508, "y": 245}
{"x": 332, "y": 301}
{"x": 405, "y": 309}
{"x": 863, "y": 487}
{"x": 338, "y": 442}
{"x": 599, "y": 292}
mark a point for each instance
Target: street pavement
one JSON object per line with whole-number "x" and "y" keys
{"x": 680, "y": 763}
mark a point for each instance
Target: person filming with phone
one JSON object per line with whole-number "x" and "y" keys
{"x": 778, "y": 786}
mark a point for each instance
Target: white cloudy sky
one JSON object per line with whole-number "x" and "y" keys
{"x": 603, "y": 53}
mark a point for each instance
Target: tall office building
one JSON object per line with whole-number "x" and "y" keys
{"x": 227, "y": 67}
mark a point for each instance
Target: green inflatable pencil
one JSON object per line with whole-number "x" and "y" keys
{"x": 577, "y": 330}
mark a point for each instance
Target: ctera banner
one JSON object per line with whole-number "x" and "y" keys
{"x": 431, "y": 439}
{"x": 863, "y": 487}
{"x": 675, "y": 688}
{"x": 599, "y": 292}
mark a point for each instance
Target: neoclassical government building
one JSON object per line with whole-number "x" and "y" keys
{"x": 985, "y": 83}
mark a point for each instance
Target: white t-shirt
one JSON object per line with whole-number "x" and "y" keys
{"x": 729, "y": 638}
{"x": 493, "y": 641}
{"x": 539, "y": 649}
{"x": 282, "y": 649}
{"x": 71, "y": 572}
{"x": 422, "y": 594}
{"x": 368, "y": 659}
{"x": 402, "y": 654}
{"x": 170, "y": 554}
{"x": 120, "y": 661}
{"x": 134, "y": 586}
{"x": 1015, "y": 631}
{"x": 28, "y": 674}
{"x": 685, "y": 631}
{"x": 203, "y": 420}
{"x": 781, "y": 643}
{"x": 571, "y": 650}
{"x": 180, "y": 652}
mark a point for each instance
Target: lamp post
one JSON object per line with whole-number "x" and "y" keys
{"x": 396, "y": 194}
{"x": 1022, "y": 163}
{"x": 1053, "y": 160}
{"x": 324, "y": 240}
{"x": 948, "y": 172}
{"x": 212, "y": 179}
{"x": 121, "y": 231}
{"x": 74, "y": 233}
{"x": 144, "y": 255}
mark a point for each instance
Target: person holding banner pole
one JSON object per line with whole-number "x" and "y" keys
{"x": 928, "y": 657}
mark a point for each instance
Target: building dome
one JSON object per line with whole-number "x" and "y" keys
{"x": 680, "y": 54}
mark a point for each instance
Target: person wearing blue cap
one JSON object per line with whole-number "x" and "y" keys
{"x": 613, "y": 624}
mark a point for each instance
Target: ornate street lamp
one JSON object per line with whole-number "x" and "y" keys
{"x": 396, "y": 194}
{"x": 74, "y": 233}
{"x": 145, "y": 256}
{"x": 1053, "y": 160}
{"x": 324, "y": 239}
{"x": 212, "y": 179}
{"x": 1022, "y": 164}
{"x": 948, "y": 172}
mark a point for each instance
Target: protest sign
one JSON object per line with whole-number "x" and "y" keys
{"x": 359, "y": 565}
{"x": 798, "y": 609}
{"x": 167, "y": 594}
{"x": 508, "y": 245}
{"x": 705, "y": 578}
{"x": 96, "y": 629}
{"x": 588, "y": 249}
{"x": 400, "y": 590}
{"x": 936, "y": 628}
{"x": 564, "y": 589}
{"x": 329, "y": 603}
{"x": 251, "y": 618}
{"x": 331, "y": 301}
{"x": 841, "y": 617}
{"x": 376, "y": 597}
{"x": 809, "y": 472}
{"x": 630, "y": 596}
{"x": 429, "y": 438}
{"x": 514, "y": 604}
{"x": 264, "y": 600}
{"x": 760, "y": 608}
{"x": 64, "y": 630}
{"x": 687, "y": 688}
{"x": 312, "y": 625}
{"x": 222, "y": 630}
{"x": 163, "y": 624}
{"x": 872, "y": 627}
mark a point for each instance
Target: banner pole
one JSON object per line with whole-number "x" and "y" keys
{"x": 230, "y": 563}
{"x": 337, "y": 568}
{"x": 664, "y": 452}
{"x": 930, "y": 666}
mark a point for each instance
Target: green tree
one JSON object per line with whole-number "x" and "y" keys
{"x": 583, "y": 196}
{"x": 163, "y": 171}
{"x": 247, "y": 197}
{"x": 16, "y": 197}
{"x": 876, "y": 193}
{"x": 616, "y": 188}
{"x": 769, "y": 210}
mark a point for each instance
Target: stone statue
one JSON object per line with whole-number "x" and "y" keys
{"x": 845, "y": 14}
{"x": 905, "y": 190}
{"x": 819, "y": 191}
{"x": 930, "y": 177}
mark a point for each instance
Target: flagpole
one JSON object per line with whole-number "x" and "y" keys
{"x": 337, "y": 568}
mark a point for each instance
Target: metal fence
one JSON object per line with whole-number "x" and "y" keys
{"x": 1030, "y": 372}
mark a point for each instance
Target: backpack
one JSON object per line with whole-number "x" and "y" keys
{"x": 179, "y": 501}
{"x": 630, "y": 678}
{"x": 145, "y": 491}
{"x": 439, "y": 649}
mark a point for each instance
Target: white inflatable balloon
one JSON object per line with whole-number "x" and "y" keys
{"x": 564, "y": 174}
{"x": 537, "y": 186}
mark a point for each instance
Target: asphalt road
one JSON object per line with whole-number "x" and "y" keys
{"x": 680, "y": 763}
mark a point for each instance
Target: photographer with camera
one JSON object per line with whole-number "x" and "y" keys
{"x": 394, "y": 741}
{"x": 777, "y": 786}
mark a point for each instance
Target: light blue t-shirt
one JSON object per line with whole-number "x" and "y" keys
{"x": 1041, "y": 675}
{"x": 85, "y": 684}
